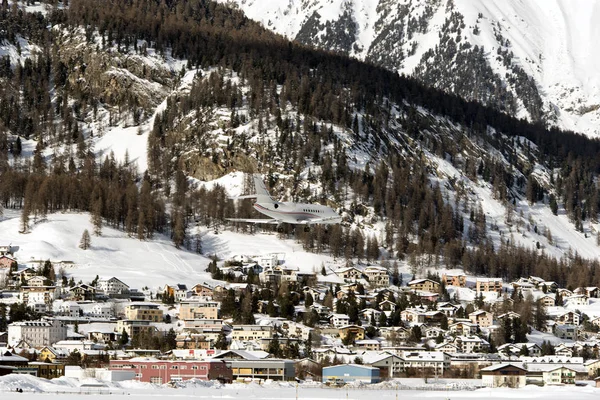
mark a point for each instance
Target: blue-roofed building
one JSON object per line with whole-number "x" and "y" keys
{"x": 351, "y": 373}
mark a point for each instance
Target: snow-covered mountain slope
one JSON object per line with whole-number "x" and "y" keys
{"x": 532, "y": 58}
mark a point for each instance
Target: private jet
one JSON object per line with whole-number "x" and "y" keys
{"x": 286, "y": 212}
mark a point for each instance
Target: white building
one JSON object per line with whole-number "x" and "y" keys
{"x": 37, "y": 333}
{"x": 112, "y": 286}
{"x": 102, "y": 310}
{"x": 434, "y": 361}
{"x": 339, "y": 320}
{"x": 69, "y": 308}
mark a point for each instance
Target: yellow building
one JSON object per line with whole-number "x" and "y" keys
{"x": 459, "y": 280}
{"x": 489, "y": 285}
{"x": 144, "y": 312}
{"x": 426, "y": 285}
{"x": 251, "y": 332}
{"x": 199, "y": 310}
{"x": 357, "y": 331}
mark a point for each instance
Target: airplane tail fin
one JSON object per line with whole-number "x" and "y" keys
{"x": 261, "y": 194}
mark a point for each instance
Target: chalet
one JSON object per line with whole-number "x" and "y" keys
{"x": 463, "y": 328}
{"x": 563, "y": 350}
{"x": 564, "y": 292}
{"x": 178, "y": 292}
{"x": 202, "y": 289}
{"x": 447, "y": 347}
{"x": 370, "y": 314}
{"x": 412, "y": 315}
{"x": 482, "y": 318}
{"x": 37, "y": 281}
{"x": 433, "y": 332}
{"x": 50, "y": 354}
{"x": 458, "y": 280}
{"x": 547, "y": 300}
{"x": 488, "y": 285}
{"x": 387, "y": 305}
{"x": 448, "y": 309}
{"x": 471, "y": 344}
{"x": 25, "y": 274}
{"x": 576, "y": 300}
{"x": 339, "y": 320}
{"x": 82, "y": 292}
{"x": 354, "y": 331}
{"x": 510, "y": 315}
{"x": 395, "y": 333}
{"x": 426, "y": 285}
{"x": 377, "y": 276}
{"x": 504, "y": 375}
{"x": 349, "y": 273}
{"x": 567, "y": 318}
{"x": 427, "y": 297}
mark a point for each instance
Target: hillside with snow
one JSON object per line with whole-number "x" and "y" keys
{"x": 538, "y": 51}
{"x": 151, "y": 139}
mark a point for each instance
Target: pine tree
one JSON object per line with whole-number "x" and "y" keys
{"x": 25, "y": 217}
{"x": 179, "y": 230}
{"x": 124, "y": 338}
{"x": 85, "y": 241}
{"x": 97, "y": 217}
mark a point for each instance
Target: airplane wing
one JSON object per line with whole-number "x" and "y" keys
{"x": 255, "y": 221}
{"x": 327, "y": 220}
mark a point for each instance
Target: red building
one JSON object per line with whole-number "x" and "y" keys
{"x": 163, "y": 371}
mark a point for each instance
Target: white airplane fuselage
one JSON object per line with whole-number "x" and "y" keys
{"x": 299, "y": 213}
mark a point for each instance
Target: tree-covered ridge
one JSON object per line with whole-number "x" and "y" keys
{"x": 286, "y": 106}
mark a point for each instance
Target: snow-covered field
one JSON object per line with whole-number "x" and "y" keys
{"x": 70, "y": 389}
{"x": 152, "y": 263}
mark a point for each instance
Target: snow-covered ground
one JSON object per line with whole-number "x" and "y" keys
{"x": 150, "y": 263}
{"x": 70, "y": 389}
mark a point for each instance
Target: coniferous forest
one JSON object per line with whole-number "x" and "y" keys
{"x": 295, "y": 100}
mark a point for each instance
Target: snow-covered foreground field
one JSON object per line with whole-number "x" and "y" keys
{"x": 152, "y": 263}
{"x": 70, "y": 389}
